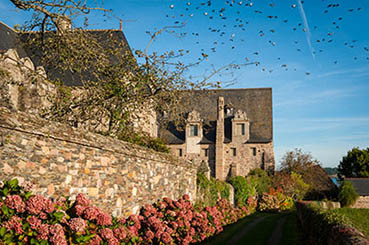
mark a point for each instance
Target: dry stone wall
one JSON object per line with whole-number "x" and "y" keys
{"x": 60, "y": 160}
{"x": 362, "y": 202}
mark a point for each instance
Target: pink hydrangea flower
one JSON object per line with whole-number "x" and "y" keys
{"x": 58, "y": 236}
{"x": 43, "y": 232}
{"x": 104, "y": 219}
{"x": 96, "y": 240}
{"x": 15, "y": 202}
{"x": 77, "y": 225}
{"x": 34, "y": 222}
{"x": 120, "y": 233}
{"x": 38, "y": 203}
{"x": 91, "y": 213}
{"x": 149, "y": 235}
{"x": 106, "y": 233}
{"x": 82, "y": 200}
{"x": 15, "y": 223}
{"x": 166, "y": 238}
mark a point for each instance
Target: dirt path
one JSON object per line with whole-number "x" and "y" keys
{"x": 239, "y": 235}
{"x": 277, "y": 233}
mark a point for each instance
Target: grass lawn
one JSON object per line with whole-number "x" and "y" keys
{"x": 359, "y": 218}
{"x": 230, "y": 230}
{"x": 291, "y": 231}
{"x": 261, "y": 232}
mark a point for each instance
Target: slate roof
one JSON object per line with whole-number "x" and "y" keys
{"x": 361, "y": 185}
{"x": 10, "y": 39}
{"x": 256, "y": 102}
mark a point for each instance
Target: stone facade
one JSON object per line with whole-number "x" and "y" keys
{"x": 226, "y": 157}
{"x": 60, "y": 160}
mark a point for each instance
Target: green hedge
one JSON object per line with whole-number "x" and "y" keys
{"x": 347, "y": 194}
{"x": 243, "y": 189}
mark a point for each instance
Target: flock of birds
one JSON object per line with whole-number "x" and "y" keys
{"x": 227, "y": 24}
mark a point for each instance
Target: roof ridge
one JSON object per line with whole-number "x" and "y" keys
{"x": 86, "y": 30}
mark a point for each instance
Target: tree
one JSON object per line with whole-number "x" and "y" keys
{"x": 355, "y": 164}
{"x": 303, "y": 164}
{"x": 297, "y": 161}
{"x": 347, "y": 194}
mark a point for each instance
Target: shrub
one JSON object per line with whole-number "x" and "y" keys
{"x": 275, "y": 201}
{"x": 244, "y": 189}
{"x": 260, "y": 180}
{"x": 211, "y": 190}
{"x": 34, "y": 219}
{"x": 347, "y": 194}
{"x": 292, "y": 184}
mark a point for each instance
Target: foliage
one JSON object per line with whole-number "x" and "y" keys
{"x": 275, "y": 201}
{"x": 321, "y": 185}
{"x": 358, "y": 217}
{"x": 145, "y": 140}
{"x": 297, "y": 161}
{"x": 244, "y": 190}
{"x": 355, "y": 164}
{"x": 211, "y": 190}
{"x": 292, "y": 185}
{"x": 260, "y": 179}
{"x": 33, "y": 219}
{"x": 347, "y": 195}
{"x": 320, "y": 225}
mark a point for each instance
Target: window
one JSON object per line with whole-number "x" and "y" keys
{"x": 253, "y": 151}
{"x": 194, "y": 130}
{"x": 180, "y": 152}
{"x": 234, "y": 151}
{"x": 240, "y": 129}
{"x": 206, "y": 152}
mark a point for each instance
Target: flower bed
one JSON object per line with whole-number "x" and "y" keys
{"x": 34, "y": 219}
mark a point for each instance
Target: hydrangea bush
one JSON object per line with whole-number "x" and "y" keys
{"x": 33, "y": 219}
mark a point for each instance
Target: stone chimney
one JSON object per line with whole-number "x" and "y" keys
{"x": 64, "y": 24}
{"x": 219, "y": 144}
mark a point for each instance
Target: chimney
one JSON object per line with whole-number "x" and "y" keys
{"x": 120, "y": 25}
{"x": 64, "y": 24}
{"x": 219, "y": 144}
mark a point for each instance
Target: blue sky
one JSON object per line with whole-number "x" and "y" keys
{"x": 320, "y": 103}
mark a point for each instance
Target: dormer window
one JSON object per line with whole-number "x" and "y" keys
{"x": 240, "y": 129}
{"x": 194, "y": 130}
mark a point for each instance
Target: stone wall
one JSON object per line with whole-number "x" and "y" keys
{"x": 361, "y": 202}
{"x": 60, "y": 160}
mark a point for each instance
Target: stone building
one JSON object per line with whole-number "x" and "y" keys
{"x": 231, "y": 130}
{"x": 361, "y": 186}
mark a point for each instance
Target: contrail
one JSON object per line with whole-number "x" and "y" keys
{"x": 307, "y": 29}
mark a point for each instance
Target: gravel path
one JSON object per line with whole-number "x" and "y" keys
{"x": 239, "y": 235}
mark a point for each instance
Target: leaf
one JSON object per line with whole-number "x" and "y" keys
{"x": 58, "y": 216}
{"x": 5, "y": 191}
{"x": 2, "y": 231}
{"x": 27, "y": 195}
{"x": 13, "y": 183}
{"x": 5, "y": 209}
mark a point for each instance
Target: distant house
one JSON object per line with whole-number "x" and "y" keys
{"x": 361, "y": 186}
{"x": 231, "y": 130}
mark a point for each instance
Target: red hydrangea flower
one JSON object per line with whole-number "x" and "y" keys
{"x": 43, "y": 232}
{"x": 58, "y": 236}
{"x": 96, "y": 240}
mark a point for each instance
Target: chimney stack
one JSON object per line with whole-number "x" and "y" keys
{"x": 219, "y": 144}
{"x": 120, "y": 25}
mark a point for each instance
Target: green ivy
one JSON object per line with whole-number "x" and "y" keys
{"x": 243, "y": 189}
